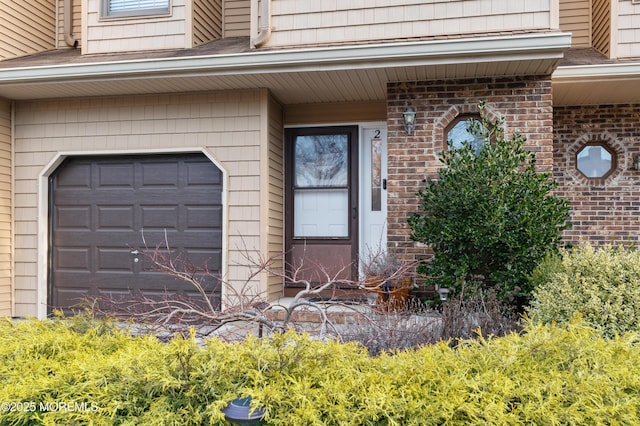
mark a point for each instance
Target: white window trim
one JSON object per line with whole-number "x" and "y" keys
{"x": 134, "y": 13}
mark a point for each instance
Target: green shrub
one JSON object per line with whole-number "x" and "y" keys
{"x": 548, "y": 375}
{"x": 602, "y": 285}
{"x": 490, "y": 216}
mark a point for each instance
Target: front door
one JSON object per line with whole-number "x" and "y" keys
{"x": 322, "y": 198}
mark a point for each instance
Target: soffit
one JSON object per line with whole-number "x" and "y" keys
{"x": 585, "y": 77}
{"x": 329, "y": 74}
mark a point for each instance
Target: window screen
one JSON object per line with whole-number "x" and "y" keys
{"x": 136, "y": 7}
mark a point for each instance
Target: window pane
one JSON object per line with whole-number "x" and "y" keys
{"x": 320, "y": 160}
{"x": 459, "y": 134}
{"x": 376, "y": 175}
{"x": 321, "y": 213}
{"x": 594, "y": 161}
{"x": 132, "y": 5}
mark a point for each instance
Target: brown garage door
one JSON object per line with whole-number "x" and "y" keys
{"x": 102, "y": 206}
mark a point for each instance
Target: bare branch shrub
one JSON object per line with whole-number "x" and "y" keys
{"x": 243, "y": 309}
{"x": 388, "y": 330}
{"x": 477, "y": 313}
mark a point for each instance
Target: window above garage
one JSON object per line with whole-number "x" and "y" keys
{"x": 134, "y": 8}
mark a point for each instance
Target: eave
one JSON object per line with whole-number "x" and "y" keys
{"x": 609, "y": 83}
{"x": 321, "y": 74}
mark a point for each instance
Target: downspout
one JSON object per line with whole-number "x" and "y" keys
{"x": 264, "y": 24}
{"x": 68, "y": 29}
{"x": 12, "y": 272}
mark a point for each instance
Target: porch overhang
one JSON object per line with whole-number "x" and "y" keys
{"x": 612, "y": 83}
{"x": 321, "y": 74}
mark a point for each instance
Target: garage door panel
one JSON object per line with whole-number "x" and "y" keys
{"x": 115, "y": 217}
{"x": 73, "y": 217}
{"x": 198, "y": 217}
{"x": 160, "y": 217}
{"x": 115, "y": 176}
{"x": 71, "y": 297}
{"x": 77, "y": 178}
{"x": 159, "y": 174}
{"x": 122, "y": 203}
{"x": 115, "y": 259}
{"x": 72, "y": 259}
{"x": 200, "y": 174}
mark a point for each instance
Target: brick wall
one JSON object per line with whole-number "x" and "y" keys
{"x": 524, "y": 102}
{"x": 603, "y": 210}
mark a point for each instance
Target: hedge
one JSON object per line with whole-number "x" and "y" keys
{"x": 602, "y": 284}
{"x": 101, "y": 375}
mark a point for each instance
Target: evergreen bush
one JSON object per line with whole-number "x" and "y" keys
{"x": 490, "y": 217}
{"x": 601, "y": 284}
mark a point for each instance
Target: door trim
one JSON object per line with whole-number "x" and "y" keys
{"x": 44, "y": 219}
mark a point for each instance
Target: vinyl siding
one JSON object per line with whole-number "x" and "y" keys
{"x": 347, "y": 112}
{"x": 207, "y": 21}
{"x": 226, "y": 124}
{"x": 5, "y": 210}
{"x": 602, "y": 26}
{"x": 628, "y": 29}
{"x": 26, "y": 27}
{"x": 137, "y": 34}
{"x": 275, "y": 191}
{"x": 575, "y": 17}
{"x": 298, "y": 22}
{"x": 237, "y": 18}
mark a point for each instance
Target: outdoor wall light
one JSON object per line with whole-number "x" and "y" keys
{"x": 239, "y": 412}
{"x": 409, "y": 117}
{"x": 636, "y": 162}
{"x": 443, "y": 293}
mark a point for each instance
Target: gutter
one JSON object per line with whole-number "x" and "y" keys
{"x": 600, "y": 72}
{"x": 383, "y": 55}
{"x": 68, "y": 28}
{"x": 264, "y": 30}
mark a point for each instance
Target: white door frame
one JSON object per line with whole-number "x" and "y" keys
{"x": 372, "y": 224}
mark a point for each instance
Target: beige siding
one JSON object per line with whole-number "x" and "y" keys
{"x": 275, "y": 191}
{"x": 575, "y": 17}
{"x": 126, "y": 35}
{"x": 76, "y": 23}
{"x": 227, "y": 125}
{"x": 602, "y": 26}
{"x": 352, "y": 112}
{"x": 207, "y": 21}
{"x": 237, "y": 18}
{"x": 6, "y": 291}
{"x": 628, "y": 29}
{"x": 26, "y": 27}
{"x": 298, "y": 22}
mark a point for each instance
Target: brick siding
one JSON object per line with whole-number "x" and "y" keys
{"x": 524, "y": 102}
{"x": 603, "y": 210}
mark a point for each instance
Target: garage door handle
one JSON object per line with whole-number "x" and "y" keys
{"x": 135, "y": 252}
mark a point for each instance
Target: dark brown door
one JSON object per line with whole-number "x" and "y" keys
{"x": 322, "y": 202}
{"x": 102, "y": 206}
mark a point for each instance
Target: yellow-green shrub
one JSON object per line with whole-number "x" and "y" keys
{"x": 546, "y": 376}
{"x": 602, "y": 285}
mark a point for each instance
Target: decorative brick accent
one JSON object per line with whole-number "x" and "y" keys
{"x": 524, "y": 102}
{"x": 603, "y": 210}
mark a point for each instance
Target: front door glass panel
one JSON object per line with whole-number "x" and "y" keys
{"x": 321, "y": 192}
